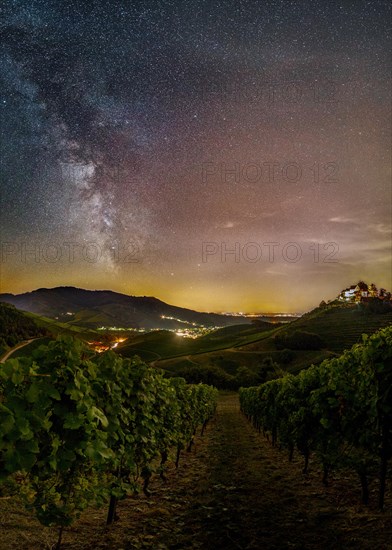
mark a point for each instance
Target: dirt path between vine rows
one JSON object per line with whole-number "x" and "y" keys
{"x": 233, "y": 491}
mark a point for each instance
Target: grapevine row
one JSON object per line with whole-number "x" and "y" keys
{"x": 79, "y": 429}
{"x": 341, "y": 410}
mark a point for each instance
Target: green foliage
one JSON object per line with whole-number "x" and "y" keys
{"x": 207, "y": 374}
{"x": 269, "y": 369}
{"x": 163, "y": 344}
{"x": 341, "y": 409}
{"x": 299, "y": 340}
{"x": 16, "y": 327}
{"x": 285, "y": 356}
{"x": 245, "y": 377}
{"x": 375, "y": 306}
{"x": 77, "y": 428}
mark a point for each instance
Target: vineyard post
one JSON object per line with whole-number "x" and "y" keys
{"x": 306, "y": 460}
{"x": 204, "y": 426}
{"x": 112, "y": 510}
{"x": 164, "y": 457}
{"x": 384, "y": 461}
{"x": 58, "y": 545}
{"x": 365, "y": 488}
{"x": 178, "y": 456}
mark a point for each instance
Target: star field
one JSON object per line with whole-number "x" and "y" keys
{"x": 156, "y": 148}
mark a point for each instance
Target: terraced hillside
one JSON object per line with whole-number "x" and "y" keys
{"x": 15, "y": 327}
{"x": 18, "y": 326}
{"x": 57, "y": 328}
{"x": 338, "y": 325}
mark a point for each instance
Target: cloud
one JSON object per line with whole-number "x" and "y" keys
{"x": 380, "y": 228}
{"x": 227, "y": 225}
{"x": 275, "y": 272}
{"x": 343, "y": 219}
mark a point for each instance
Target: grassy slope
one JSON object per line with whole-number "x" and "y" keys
{"x": 54, "y": 328}
{"x": 57, "y": 328}
{"x": 27, "y": 350}
{"x": 163, "y": 344}
{"x": 340, "y": 326}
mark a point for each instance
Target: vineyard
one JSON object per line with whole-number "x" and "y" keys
{"x": 341, "y": 410}
{"x": 80, "y": 429}
{"x": 93, "y": 443}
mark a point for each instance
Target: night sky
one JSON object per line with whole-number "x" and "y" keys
{"x": 223, "y": 156}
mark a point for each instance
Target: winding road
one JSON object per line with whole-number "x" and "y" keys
{"x": 18, "y": 346}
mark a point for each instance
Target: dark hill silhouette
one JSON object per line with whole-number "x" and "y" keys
{"x": 105, "y": 307}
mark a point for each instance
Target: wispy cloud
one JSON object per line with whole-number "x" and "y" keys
{"x": 227, "y": 225}
{"x": 380, "y": 228}
{"x": 275, "y": 272}
{"x": 343, "y": 219}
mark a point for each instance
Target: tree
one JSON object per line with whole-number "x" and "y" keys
{"x": 245, "y": 377}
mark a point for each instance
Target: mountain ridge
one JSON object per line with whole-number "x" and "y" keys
{"x": 101, "y": 307}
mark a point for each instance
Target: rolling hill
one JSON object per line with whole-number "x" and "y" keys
{"x": 15, "y": 327}
{"x": 338, "y": 325}
{"x": 163, "y": 344}
{"x": 94, "y": 308}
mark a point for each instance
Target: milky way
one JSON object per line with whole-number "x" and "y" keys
{"x": 223, "y": 155}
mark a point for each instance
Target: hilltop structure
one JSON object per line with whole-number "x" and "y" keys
{"x": 362, "y": 292}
